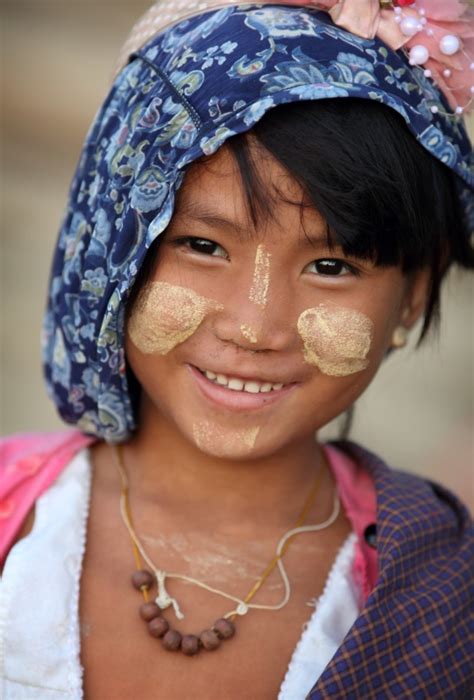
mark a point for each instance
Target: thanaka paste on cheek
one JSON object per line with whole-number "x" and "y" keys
{"x": 248, "y": 333}
{"x": 337, "y": 340}
{"x": 165, "y": 315}
{"x": 224, "y": 443}
{"x": 261, "y": 277}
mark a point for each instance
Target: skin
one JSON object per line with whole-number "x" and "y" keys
{"x": 165, "y": 315}
{"x": 239, "y": 503}
{"x": 248, "y": 333}
{"x": 261, "y": 277}
{"x": 238, "y": 443}
{"x": 336, "y": 339}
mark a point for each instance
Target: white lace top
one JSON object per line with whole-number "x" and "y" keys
{"x": 39, "y": 603}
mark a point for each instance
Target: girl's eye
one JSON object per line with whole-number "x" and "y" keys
{"x": 202, "y": 245}
{"x": 330, "y": 267}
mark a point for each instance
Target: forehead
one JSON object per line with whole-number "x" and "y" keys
{"x": 224, "y": 186}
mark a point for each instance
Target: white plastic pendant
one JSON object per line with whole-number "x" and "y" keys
{"x": 163, "y": 599}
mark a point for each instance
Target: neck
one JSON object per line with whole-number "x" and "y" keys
{"x": 168, "y": 472}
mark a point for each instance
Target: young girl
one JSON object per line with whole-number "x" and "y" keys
{"x": 265, "y": 205}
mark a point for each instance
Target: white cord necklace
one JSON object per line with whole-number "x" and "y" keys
{"x": 164, "y": 600}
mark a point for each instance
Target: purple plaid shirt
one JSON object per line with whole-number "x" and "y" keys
{"x": 413, "y": 639}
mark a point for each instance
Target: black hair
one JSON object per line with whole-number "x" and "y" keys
{"x": 383, "y": 196}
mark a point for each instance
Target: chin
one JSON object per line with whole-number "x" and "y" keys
{"x": 225, "y": 443}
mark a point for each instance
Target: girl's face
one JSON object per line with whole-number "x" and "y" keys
{"x": 249, "y": 338}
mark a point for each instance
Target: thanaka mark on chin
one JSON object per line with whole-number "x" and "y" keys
{"x": 224, "y": 442}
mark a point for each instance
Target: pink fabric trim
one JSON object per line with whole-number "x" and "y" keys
{"x": 359, "y": 500}
{"x": 29, "y": 463}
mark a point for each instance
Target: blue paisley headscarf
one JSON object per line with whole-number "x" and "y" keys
{"x": 181, "y": 97}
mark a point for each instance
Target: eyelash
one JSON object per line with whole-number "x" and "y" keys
{"x": 330, "y": 263}
{"x": 188, "y": 241}
{"x": 334, "y": 263}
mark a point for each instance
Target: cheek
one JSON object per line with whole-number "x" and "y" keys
{"x": 165, "y": 315}
{"x": 336, "y": 340}
{"x": 223, "y": 442}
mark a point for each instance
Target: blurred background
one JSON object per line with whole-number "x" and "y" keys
{"x": 57, "y": 59}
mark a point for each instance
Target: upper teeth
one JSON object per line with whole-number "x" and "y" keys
{"x": 252, "y": 387}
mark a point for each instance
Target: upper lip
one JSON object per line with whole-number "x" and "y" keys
{"x": 248, "y": 377}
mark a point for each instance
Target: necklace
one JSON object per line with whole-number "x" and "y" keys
{"x": 224, "y": 628}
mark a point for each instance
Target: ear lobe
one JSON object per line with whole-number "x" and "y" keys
{"x": 416, "y": 297}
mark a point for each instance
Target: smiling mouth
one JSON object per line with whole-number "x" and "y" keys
{"x": 249, "y": 386}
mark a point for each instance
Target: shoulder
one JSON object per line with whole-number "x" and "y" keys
{"x": 36, "y": 458}
{"x": 23, "y": 446}
{"x": 406, "y": 498}
{"x": 422, "y": 601}
{"x": 425, "y": 534}
{"x": 29, "y": 464}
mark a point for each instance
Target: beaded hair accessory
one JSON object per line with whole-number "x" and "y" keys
{"x": 438, "y": 35}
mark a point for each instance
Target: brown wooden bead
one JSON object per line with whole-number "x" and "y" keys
{"x": 142, "y": 580}
{"x": 209, "y": 640}
{"x": 148, "y": 611}
{"x": 158, "y": 627}
{"x": 224, "y": 629}
{"x": 190, "y": 644}
{"x": 172, "y": 640}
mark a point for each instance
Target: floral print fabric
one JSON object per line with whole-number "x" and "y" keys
{"x": 181, "y": 97}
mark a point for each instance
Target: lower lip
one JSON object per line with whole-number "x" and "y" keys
{"x": 237, "y": 400}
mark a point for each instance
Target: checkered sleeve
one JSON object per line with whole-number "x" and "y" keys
{"x": 414, "y": 637}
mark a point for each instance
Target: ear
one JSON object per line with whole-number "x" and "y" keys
{"x": 416, "y": 297}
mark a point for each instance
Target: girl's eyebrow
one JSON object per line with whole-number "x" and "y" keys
{"x": 219, "y": 221}
{"x": 315, "y": 240}
{"x": 212, "y": 218}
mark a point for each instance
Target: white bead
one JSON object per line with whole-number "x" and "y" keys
{"x": 397, "y": 10}
{"x": 449, "y": 44}
{"x": 418, "y": 54}
{"x": 434, "y": 109}
{"x": 423, "y": 21}
{"x": 429, "y": 32}
{"x": 471, "y": 66}
{"x": 472, "y": 89}
{"x": 398, "y": 19}
{"x": 409, "y": 26}
{"x": 427, "y": 73}
{"x": 422, "y": 12}
{"x": 447, "y": 73}
{"x": 459, "y": 110}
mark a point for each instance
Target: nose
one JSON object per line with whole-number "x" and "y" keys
{"x": 253, "y": 326}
